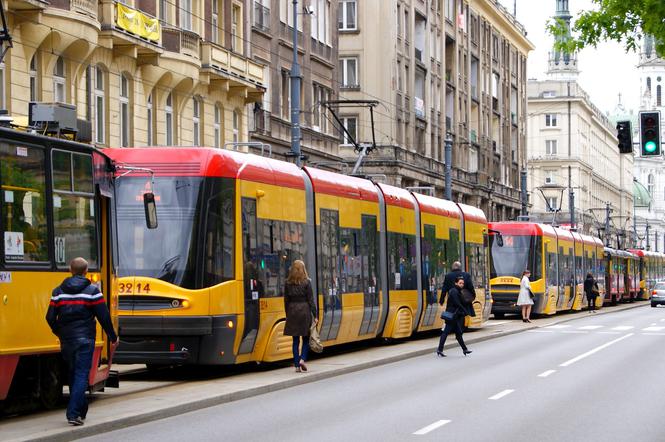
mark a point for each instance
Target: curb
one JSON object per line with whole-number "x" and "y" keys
{"x": 174, "y": 410}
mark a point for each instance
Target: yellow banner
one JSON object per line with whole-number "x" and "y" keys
{"x": 137, "y": 23}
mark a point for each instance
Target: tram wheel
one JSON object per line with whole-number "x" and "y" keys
{"x": 50, "y": 382}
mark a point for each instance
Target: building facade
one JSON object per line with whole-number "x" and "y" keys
{"x": 141, "y": 72}
{"x": 567, "y": 133}
{"x": 272, "y": 45}
{"x": 436, "y": 68}
{"x": 649, "y": 170}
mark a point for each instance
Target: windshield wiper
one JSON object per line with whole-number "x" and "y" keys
{"x": 168, "y": 270}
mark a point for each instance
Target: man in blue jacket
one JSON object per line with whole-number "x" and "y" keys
{"x": 71, "y": 315}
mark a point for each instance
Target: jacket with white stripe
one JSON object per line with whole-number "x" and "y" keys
{"x": 73, "y": 308}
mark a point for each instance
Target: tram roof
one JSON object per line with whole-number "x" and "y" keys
{"x": 473, "y": 214}
{"x": 437, "y": 206}
{"x": 587, "y": 239}
{"x": 395, "y": 196}
{"x": 522, "y": 228}
{"x": 332, "y": 183}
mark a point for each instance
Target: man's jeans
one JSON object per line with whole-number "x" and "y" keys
{"x": 78, "y": 355}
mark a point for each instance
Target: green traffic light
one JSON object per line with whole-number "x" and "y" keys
{"x": 650, "y": 147}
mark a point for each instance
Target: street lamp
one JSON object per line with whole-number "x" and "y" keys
{"x": 552, "y": 194}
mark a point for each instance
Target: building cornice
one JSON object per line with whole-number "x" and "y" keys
{"x": 506, "y": 26}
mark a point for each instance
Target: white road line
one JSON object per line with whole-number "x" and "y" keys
{"x": 491, "y": 323}
{"x": 653, "y": 323}
{"x": 591, "y": 327}
{"x": 500, "y": 395}
{"x": 540, "y": 331}
{"x": 608, "y": 333}
{"x": 623, "y": 327}
{"x": 662, "y": 320}
{"x": 431, "y": 427}
{"x": 653, "y": 329}
{"x": 558, "y": 326}
{"x": 654, "y": 334}
{"x": 546, "y": 373}
{"x": 574, "y": 331}
{"x": 595, "y": 350}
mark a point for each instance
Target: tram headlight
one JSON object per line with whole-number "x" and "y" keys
{"x": 185, "y": 303}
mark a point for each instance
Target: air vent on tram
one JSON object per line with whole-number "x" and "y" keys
{"x": 193, "y": 167}
{"x": 149, "y": 303}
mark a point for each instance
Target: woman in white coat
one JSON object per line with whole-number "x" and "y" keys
{"x": 524, "y": 299}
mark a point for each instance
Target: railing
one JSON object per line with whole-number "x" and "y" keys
{"x": 88, "y": 7}
{"x": 262, "y": 121}
{"x": 137, "y": 23}
{"x": 189, "y": 41}
{"x": 261, "y": 17}
{"x": 216, "y": 57}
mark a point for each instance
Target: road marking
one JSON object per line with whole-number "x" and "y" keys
{"x": 623, "y": 327}
{"x": 491, "y": 323}
{"x": 540, "y": 331}
{"x": 574, "y": 331}
{"x": 662, "y": 320}
{"x": 431, "y": 427}
{"x": 653, "y": 329}
{"x": 654, "y": 334}
{"x": 546, "y": 373}
{"x": 500, "y": 395}
{"x": 595, "y": 350}
{"x": 557, "y": 326}
{"x": 608, "y": 333}
{"x": 591, "y": 327}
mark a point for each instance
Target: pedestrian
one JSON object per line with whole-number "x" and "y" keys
{"x": 451, "y": 277}
{"x": 525, "y": 298}
{"x": 591, "y": 291}
{"x": 71, "y": 315}
{"x": 455, "y": 323}
{"x": 300, "y": 312}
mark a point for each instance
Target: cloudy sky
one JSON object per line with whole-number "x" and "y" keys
{"x": 605, "y": 70}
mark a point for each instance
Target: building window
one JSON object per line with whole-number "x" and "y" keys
{"x": 3, "y": 101}
{"x": 351, "y": 126}
{"x": 346, "y": 15}
{"x": 658, "y": 96}
{"x": 217, "y": 125}
{"x": 549, "y": 94}
{"x": 59, "y": 80}
{"x": 164, "y": 10}
{"x": 186, "y": 14}
{"x": 550, "y": 120}
{"x": 100, "y": 106}
{"x": 286, "y": 94}
{"x": 320, "y": 20}
{"x": 196, "y": 120}
{"x": 651, "y": 182}
{"x": 550, "y": 177}
{"x": 348, "y": 72}
{"x": 236, "y": 29}
{"x": 35, "y": 89}
{"x": 236, "y": 126}
{"x": 125, "y": 128}
{"x": 214, "y": 20}
{"x": 552, "y": 203}
{"x": 168, "y": 110}
{"x": 649, "y": 84}
{"x": 150, "y": 122}
{"x": 550, "y": 147}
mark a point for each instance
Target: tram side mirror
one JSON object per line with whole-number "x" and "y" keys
{"x": 150, "y": 210}
{"x": 497, "y": 236}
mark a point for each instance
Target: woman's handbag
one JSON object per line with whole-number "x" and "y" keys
{"x": 447, "y": 316}
{"x": 531, "y": 295}
{"x": 314, "y": 339}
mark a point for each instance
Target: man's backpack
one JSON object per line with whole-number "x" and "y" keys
{"x": 468, "y": 296}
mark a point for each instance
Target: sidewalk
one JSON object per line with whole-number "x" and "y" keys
{"x": 115, "y": 410}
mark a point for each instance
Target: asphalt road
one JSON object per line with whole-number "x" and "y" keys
{"x": 593, "y": 378}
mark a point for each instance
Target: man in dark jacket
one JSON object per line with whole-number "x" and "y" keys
{"x": 71, "y": 315}
{"x": 451, "y": 277}
{"x": 591, "y": 291}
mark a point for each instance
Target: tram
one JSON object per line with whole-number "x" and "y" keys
{"x": 558, "y": 260}
{"x": 651, "y": 269}
{"x": 55, "y": 204}
{"x": 206, "y": 286}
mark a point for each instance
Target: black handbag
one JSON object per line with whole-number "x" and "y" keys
{"x": 531, "y": 295}
{"x": 447, "y": 316}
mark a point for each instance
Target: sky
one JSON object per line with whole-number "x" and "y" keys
{"x": 605, "y": 71}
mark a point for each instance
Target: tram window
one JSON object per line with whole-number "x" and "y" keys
{"x": 434, "y": 258}
{"x": 452, "y": 249}
{"x": 401, "y": 261}
{"x": 23, "y": 210}
{"x": 292, "y": 247}
{"x": 328, "y": 267}
{"x": 350, "y": 262}
{"x": 369, "y": 250}
{"x": 218, "y": 250}
{"x": 74, "y": 210}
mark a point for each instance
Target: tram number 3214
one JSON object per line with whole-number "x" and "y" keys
{"x": 128, "y": 288}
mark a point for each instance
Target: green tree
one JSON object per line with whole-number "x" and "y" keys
{"x": 624, "y": 21}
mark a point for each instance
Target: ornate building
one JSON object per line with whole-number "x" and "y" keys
{"x": 140, "y": 72}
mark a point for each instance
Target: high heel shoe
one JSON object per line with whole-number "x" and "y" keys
{"x": 298, "y": 370}
{"x": 440, "y": 354}
{"x": 523, "y": 320}
{"x": 527, "y": 320}
{"x": 467, "y": 352}
{"x": 302, "y": 365}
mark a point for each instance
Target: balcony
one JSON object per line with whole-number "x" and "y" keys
{"x": 182, "y": 41}
{"x": 27, "y": 5}
{"x": 261, "y": 17}
{"x": 232, "y": 71}
{"x": 87, "y": 7}
{"x": 262, "y": 121}
{"x": 129, "y": 31}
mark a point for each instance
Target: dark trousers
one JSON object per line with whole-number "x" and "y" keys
{"x": 297, "y": 356}
{"x": 591, "y": 300}
{"x": 455, "y": 326}
{"x": 78, "y": 355}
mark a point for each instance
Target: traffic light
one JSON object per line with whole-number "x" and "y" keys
{"x": 650, "y": 134}
{"x": 625, "y": 136}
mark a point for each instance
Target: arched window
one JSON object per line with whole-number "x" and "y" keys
{"x": 59, "y": 80}
{"x": 150, "y": 121}
{"x": 168, "y": 110}
{"x": 649, "y": 84}
{"x": 236, "y": 126}
{"x": 100, "y": 105}
{"x": 658, "y": 96}
{"x": 218, "y": 125}
{"x": 35, "y": 89}
{"x": 650, "y": 184}
{"x": 196, "y": 120}
{"x": 125, "y": 118}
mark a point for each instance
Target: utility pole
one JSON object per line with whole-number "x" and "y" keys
{"x": 571, "y": 200}
{"x": 607, "y": 223}
{"x": 655, "y": 241}
{"x": 524, "y": 197}
{"x": 647, "y": 229}
{"x": 449, "y": 167}
{"x": 295, "y": 91}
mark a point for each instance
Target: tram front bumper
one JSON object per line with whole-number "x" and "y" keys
{"x": 160, "y": 340}
{"x": 505, "y": 303}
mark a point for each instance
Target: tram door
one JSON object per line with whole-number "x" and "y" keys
{"x": 329, "y": 274}
{"x": 369, "y": 251}
{"x": 253, "y": 286}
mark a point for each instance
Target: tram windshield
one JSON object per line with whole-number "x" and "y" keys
{"x": 167, "y": 252}
{"x": 516, "y": 254}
